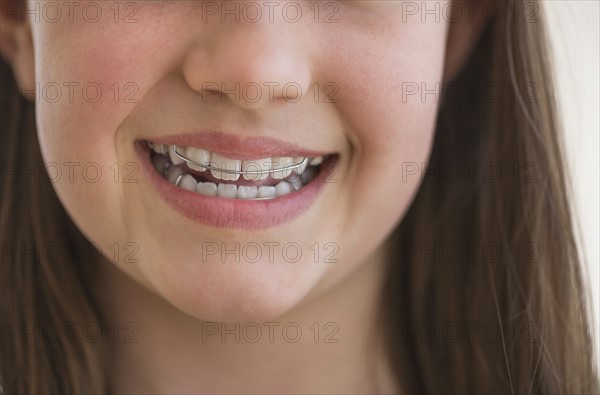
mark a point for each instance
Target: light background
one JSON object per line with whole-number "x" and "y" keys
{"x": 574, "y": 33}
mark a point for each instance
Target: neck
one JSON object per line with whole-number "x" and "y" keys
{"x": 327, "y": 344}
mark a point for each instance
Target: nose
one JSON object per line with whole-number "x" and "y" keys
{"x": 250, "y": 64}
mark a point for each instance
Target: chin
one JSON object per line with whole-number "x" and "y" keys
{"x": 236, "y": 292}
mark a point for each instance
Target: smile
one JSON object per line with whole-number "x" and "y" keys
{"x": 208, "y": 173}
{"x": 216, "y": 180}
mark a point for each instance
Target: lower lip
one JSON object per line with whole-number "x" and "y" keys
{"x": 236, "y": 213}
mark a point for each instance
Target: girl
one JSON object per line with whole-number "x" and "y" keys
{"x": 285, "y": 197}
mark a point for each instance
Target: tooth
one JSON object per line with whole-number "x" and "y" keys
{"x": 293, "y": 177}
{"x": 300, "y": 170}
{"x": 173, "y": 173}
{"x": 247, "y": 192}
{"x": 150, "y": 145}
{"x": 283, "y": 188}
{"x": 166, "y": 166}
{"x": 188, "y": 183}
{"x": 256, "y": 165}
{"x": 159, "y": 162}
{"x": 207, "y": 188}
{"x": 174, "y": 158}
{"x": 281, "y": 164}
{"x": 316, "y": 161}
{"x": 308, "y": 175}
{"x": 197, "y": 155}
{"x": 297, "y": 184}
{"x": 223, "y": 163}
{"x": 227, "y": 191}
{"x": 158, "y": 148}
{"x": 264, "y": 192}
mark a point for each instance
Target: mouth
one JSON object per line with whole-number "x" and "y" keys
{"x": 236, "y": 191}
{"x": 208, "y": 173}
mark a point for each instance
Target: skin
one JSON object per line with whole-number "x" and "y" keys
{"x": 171, "y": 292}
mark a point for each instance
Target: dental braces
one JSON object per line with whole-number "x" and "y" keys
{"x": 168, "y": 164}
{"x": 208, "y": 166}
{"x": 290, "y": 166}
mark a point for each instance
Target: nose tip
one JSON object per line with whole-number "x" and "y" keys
{"x": 249, "y": 66}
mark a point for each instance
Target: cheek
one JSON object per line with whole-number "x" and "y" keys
{"x": 391, "y": 123}
{"x": 88, "y": 79}
{"x": 75, "y": 122}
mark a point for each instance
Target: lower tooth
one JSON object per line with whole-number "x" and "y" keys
{"x": 283, "y": 188}
{"x": 266, "y": 192}
{"x": 227, "y": 191}
{"x": 178, "y": 177}
{"x": 188, "y": 183}
{"x": 247, "y": 192}
{"x": 297, "y": 184}
{"x": 173, "y": 173}
{"x": 207, "y": 188}
{"x": 308, "y": 175}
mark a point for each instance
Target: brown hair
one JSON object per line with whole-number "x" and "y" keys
{"x": 43, "y": 269}
{"x": 508, "y": 317}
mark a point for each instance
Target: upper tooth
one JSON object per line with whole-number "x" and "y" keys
{"x": 158, "y": 148}
{"x": 223, "y": 163}
{"x": 300, "y": 170}
{"x": 316, "y": 161}
{"x": 159, "y": 163}
{"x": 174, "y": 158}
{"x": 283, "y": 164}
{"x": 256, "y": 165}
{"x": 197, "y": 155}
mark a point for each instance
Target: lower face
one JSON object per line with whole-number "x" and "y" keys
{"x": 231, "y": 209}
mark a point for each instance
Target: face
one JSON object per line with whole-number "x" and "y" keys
{"x": 329, "y": 82}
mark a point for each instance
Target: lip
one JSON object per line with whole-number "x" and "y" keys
{"x": 231, "y": 146}
{"x": 233, "y": 213}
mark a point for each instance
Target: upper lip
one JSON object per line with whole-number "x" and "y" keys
{"x": 234, "y": 146}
